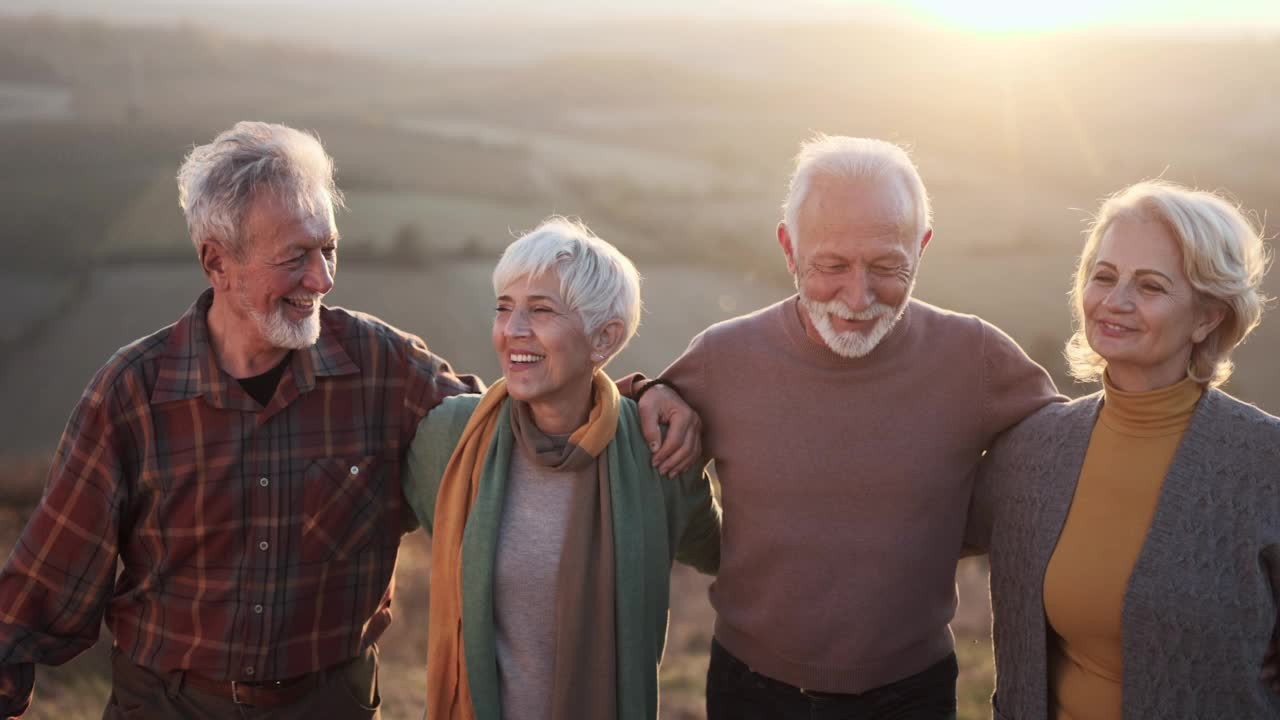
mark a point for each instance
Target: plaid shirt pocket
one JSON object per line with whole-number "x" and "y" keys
{"x": 343, "y": 510}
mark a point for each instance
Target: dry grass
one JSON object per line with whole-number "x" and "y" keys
{"x": 78, "y": 690}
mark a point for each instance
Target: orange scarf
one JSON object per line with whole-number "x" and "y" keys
{"x": 448, "y": 692}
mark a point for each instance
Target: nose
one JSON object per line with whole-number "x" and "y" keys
{"x": 319, "y": 274}
{"x": 855, "y": 292}
{"x": 517, "y": 323}
{"x": 1120, "y": 298}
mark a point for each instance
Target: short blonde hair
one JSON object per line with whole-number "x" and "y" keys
{"x": 1223, "y": 256}
{"x": 596, "y": 279}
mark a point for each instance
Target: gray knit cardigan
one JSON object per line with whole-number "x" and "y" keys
{"x": 1201, "y": 603}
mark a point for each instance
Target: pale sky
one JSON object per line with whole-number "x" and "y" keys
{"x": 976, "y": 15}
{"x": 1011, "y": 15}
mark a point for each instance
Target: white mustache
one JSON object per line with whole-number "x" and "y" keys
{"x": 840, "y": 310}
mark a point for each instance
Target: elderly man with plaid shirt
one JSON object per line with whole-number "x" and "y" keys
{"x": 243, "y": 464}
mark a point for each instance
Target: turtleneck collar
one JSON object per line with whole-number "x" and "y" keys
{"x": 1163, "y": 411}
{"x": 822, "y": 356}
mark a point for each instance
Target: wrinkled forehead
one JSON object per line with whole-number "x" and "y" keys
{"x": 875, "y": 211}
{"x": 881, "y": 202}
{"x": 274, "y": 223}
{"x": 318, "y": 220}
{"x": 1136, "y": 242}
{"x": 544, "y": 284}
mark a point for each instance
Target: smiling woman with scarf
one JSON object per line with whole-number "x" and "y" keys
{"x": 552, "y": 534}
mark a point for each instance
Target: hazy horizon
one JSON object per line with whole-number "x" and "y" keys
{"x": 976, "y": 15}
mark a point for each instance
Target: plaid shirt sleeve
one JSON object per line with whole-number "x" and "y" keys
{"x": 432, "y": 379}
{"x": 54, "y": 587}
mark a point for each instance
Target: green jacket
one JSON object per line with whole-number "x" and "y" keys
{"x": 655, "y": 521}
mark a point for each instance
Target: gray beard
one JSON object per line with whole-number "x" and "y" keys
{"x": 279, "y": 330}
{"x": 853, "y": 344}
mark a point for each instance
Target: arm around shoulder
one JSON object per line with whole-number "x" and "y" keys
{"x": 694, "y": 515}
{"x": 998, "y": 470}
{"x": 1013, "y": 385}
{"x": 429, "y": 452}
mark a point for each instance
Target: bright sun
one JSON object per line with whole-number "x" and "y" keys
{"x": 1001, "y": 16}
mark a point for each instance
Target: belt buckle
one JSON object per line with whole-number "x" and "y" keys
{"x": 235, "y": 694}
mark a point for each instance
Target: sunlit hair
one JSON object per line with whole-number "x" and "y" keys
{"x": 1223, "y": 256}
{"x": 217, "y": 182}
{"x": 596, "y": 280}
{"x": 859, "y": 160}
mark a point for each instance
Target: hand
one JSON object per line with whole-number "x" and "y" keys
{"x": 682, "y": 446}
{"x": 1271, "y": 665}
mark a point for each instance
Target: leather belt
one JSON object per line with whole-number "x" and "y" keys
{"x": 267, "y": 695}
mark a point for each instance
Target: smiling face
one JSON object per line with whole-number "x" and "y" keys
{"x": 288, "y": 266}
{"x": 547, "y": 357}
{"x": 854, "y": 267}
{"x": 1141, "y": 313}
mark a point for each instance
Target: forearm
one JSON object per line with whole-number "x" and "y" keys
{"x": 52, "y": 600}
{"x": 699, "y": 544}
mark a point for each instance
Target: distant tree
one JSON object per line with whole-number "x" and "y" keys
{"x": 408, "y": 245}
{"x": 472, "y": 247}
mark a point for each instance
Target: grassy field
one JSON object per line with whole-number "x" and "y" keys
{"x": 78, "y": 690}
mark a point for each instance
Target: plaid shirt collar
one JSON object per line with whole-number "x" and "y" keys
{"x": 189, "y": 368}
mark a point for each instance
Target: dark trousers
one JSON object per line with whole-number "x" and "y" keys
{"x": 736, "y": 692}
{"x": 139, "y": 693}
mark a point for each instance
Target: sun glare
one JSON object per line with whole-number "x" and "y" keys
{"x": 1011, "y": 16}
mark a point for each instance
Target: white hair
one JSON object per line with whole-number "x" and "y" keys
{"x": 596, "y": 280}
{"x": 1223, "y": 257}
{"x": 856, "y": 160}
{"x": 218, "y": 181}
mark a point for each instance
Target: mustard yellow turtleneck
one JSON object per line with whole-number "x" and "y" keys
{"x": 1130, "y": 450}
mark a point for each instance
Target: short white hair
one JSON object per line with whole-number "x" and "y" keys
{"x": 596, "y": 280}
{"x": 218, "y": 181}
{"x": 857, "y": 159}
{"x": 1223, "y": 257}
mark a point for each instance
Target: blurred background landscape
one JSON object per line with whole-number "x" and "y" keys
{"x": 669, "y": 131}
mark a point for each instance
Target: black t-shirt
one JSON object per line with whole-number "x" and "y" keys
{"x": 262, "y": 387}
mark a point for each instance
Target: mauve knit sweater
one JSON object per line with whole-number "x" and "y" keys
{"x": 846, "y": 484}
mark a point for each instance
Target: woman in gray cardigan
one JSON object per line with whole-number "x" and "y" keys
{"x": 1134, "y": 534}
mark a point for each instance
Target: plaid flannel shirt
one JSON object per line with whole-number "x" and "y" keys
{"x": 256, "y": 543}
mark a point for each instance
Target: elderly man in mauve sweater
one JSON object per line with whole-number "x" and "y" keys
{"x": 845, "y": 423}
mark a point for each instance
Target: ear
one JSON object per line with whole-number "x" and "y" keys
{"x": 788, "y": 247}
{"x": 1209, "y": 315}
{"x": 606, "y": 341}
{"x": 924, "y": 241}
{"x": 214, "y": 260}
